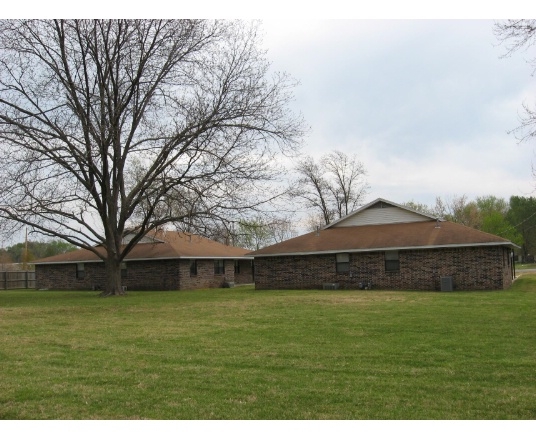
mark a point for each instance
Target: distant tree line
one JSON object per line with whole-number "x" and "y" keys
{"x": 514, "y": 220}
{"x": 20, "y": 253}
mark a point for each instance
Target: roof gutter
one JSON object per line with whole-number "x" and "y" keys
{"x": 126, "y": 260}
{"x": 381, "y": 249}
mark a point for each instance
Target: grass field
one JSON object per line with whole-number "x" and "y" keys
{"x": 246, "y": 354}
{"x": 525, "y": 266}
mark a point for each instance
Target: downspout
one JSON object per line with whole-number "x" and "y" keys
{"x": 513, "y": 265}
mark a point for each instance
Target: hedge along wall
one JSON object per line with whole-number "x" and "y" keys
{"x": 472, "y": 268}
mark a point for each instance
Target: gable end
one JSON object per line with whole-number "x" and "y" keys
{"x": 381, "y": 214}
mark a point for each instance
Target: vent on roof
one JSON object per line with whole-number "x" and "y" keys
{"x": 381, "y": 205}
{"x": 446, "y": 284}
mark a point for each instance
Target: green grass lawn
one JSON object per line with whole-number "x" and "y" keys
{"x": 246, "y": 354}
{"x": 525, "y": 265}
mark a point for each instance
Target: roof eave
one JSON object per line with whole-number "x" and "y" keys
{"x": 126, "y": 260}
{"x": 382, "y": 249}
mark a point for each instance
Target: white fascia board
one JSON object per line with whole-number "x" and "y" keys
{"x": 67, "y": 262}
{"x": 126, "y": 260}
{"x": 190, "y": 258}
{"x": 361, "y": 251}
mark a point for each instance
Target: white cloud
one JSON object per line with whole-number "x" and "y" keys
{"x": 425, "y": 104}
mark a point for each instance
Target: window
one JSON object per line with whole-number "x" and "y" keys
{"x": 80, "y": 271}
{"x": 193, "y": 268}
{"x": 219, "y": 267}
{"x": 236, "y": 266}
{"x": 392, "y": 262}
{"x": 124, "y": 270}
{"x": 342, "y": 263}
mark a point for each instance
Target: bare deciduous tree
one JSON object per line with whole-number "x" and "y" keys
{"x": 262, "y": 231}
{"x": 110, "y": 124}
{"x": 333, "y": 187}
{"x": 347, "y": 184}
{"x": 455, "y": 209}
{"x": 520, "y": 35}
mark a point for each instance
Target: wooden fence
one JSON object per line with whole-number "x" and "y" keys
{"x": 17, "y": 280}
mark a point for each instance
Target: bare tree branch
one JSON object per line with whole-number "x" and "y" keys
{"x": 103, "y": 123}
{"x": 334, "y": 187}
{"x": 519, "y": 35}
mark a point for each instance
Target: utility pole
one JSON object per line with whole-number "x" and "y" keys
{"x": 25, "y": 257}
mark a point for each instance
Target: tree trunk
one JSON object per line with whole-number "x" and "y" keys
{"x": 113, "y": 278}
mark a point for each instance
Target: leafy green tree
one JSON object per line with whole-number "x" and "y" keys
{"x": 38, "y": 250}
{"x": 522, "y": 217}
{"x": 455, "y": 209}
{"x": 497, "y": 224}
{"x": 486, "y": 213}
{"x": 490, "y": 204}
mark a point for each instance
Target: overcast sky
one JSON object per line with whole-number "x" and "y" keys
{"x": 425, "y": 104}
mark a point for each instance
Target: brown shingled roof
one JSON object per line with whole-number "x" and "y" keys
{"x": 172, "y": 245}
{"x": 426, "y": 234}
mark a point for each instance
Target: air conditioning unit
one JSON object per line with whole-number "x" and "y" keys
{"x": 446, "y": 284}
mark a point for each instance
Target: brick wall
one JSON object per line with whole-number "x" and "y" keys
{"x": 246, "y": 272}
{"x": 471, "y": 268}
{"x": 152, "y": 275}
{"x": 206, "y": 278}
{"x": 63, "y": 276}
{"x": 143, "y": 275}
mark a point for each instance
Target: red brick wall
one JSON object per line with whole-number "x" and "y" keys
{"x": 142, "y": 275}
{"x": 246, "y": 272}
{"x": 471, "y": 268}
{"x": 63, "y": 276}
{"x": 205, "y": 277}
{"x": 152, "y": 275}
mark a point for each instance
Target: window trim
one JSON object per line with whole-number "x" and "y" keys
{"x": 236, "y": 267}
{"x": 392, "y": 261}
{"x": 193, "y": 267}
{"x": 80, "y": 271}
{"x": 219, "y": 269}
{"x": 342, "y": 263}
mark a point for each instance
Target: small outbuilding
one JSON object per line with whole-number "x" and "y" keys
{"x": 166, "y": 260}
{"x": 384, "y": 245}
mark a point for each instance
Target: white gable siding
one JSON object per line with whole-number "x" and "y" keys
{"x": 380, "y": 216}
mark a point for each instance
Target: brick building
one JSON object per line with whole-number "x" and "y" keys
{"x": 383, "y": 245}
{"x": 164, "y": 261}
